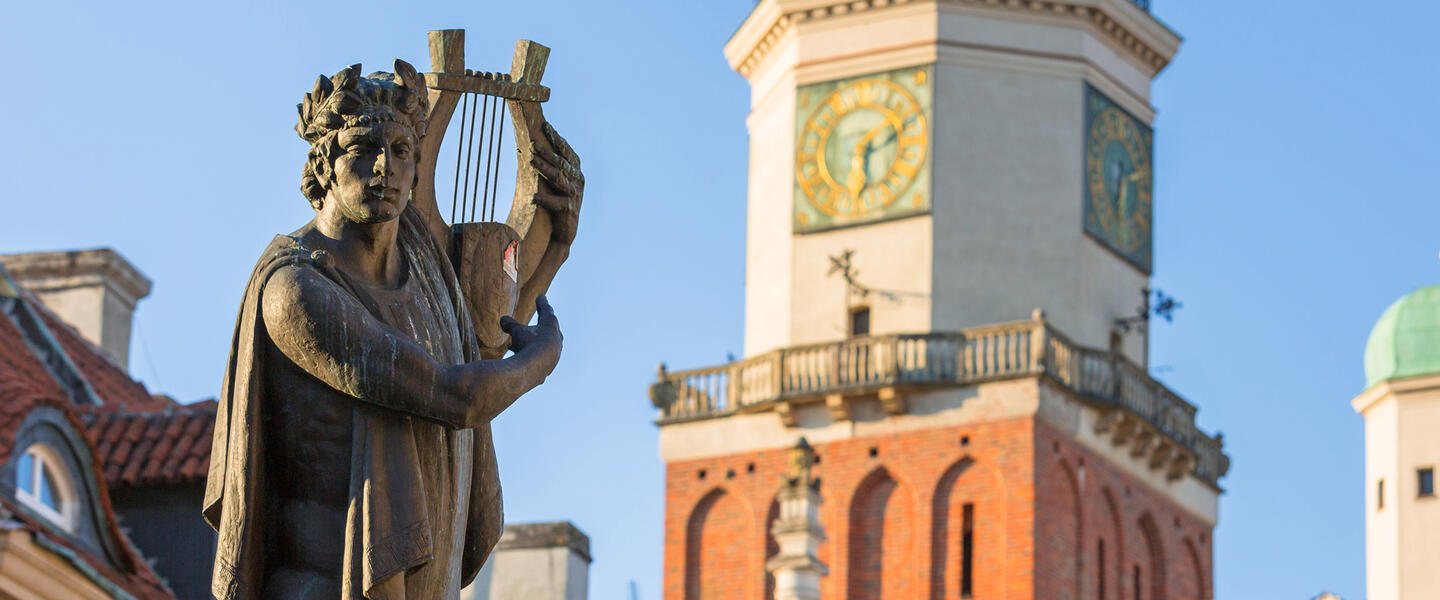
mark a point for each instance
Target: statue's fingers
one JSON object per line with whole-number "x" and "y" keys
{"x": 545, "y": 312}
{"x": 561, "y": 146}
{"x": 547, "y": 155}
{"x": 508, "y": 324}
{"x": 552, "y": 202}
{"x": 553, "y": 175}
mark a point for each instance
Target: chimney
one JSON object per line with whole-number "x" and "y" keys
{"x": 535, "y": 561}
{"x": 95, "y": 291}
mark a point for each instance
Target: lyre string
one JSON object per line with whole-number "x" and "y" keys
{"x": 499, "y": 138}
{"x": 469, "y": 152}
{"x": 489, "y": 157}
{"x": 477, "y": 197}
{"x": 484, "y": 148}
{"x": 455, "y": 193}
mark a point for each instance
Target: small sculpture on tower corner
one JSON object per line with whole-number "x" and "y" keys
{"x": 801, "y": 459}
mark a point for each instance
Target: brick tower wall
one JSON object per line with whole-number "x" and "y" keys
{"x": 1084, "y": 503}
{"x": 1042, "y": 507}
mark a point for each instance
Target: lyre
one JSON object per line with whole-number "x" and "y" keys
{"x": 492, "y": 259}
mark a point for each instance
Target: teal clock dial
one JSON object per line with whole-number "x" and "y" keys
{"x": 1119, "y": 180}
{"x": 862, "y": 149}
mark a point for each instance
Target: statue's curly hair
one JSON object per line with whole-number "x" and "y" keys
{"x": 349, "y": 100}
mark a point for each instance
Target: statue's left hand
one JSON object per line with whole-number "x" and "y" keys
{"x": 544, "y": 336}
{"x": 561, "y": 168}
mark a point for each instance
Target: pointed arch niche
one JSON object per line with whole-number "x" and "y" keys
{"x": 1149, "y": 572}
{"x": 968, "y": 541}
{"x": 1188, "y": 582}
{"x": 715, "y": 553}
{"x": 772, "y": 547}
{"x": 881, "y": 543}
{"x": 1107, "y": 542}
{"x": 1058, "y": 541}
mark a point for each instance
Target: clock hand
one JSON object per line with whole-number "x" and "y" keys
{"x": 860, "y": 162}
{"x": 896, "y": 132}
{"x": 855, "y": 180}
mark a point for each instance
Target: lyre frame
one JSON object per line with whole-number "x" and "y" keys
{"x": 528, "y": 225}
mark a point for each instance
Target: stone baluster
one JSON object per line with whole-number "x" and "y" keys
{"x": 1038, "y": 341}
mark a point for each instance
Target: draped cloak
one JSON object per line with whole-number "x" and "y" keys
{"x": 388, "y": 528}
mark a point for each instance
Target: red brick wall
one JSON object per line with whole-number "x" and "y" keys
{"x": 882, "y": 540}
{"x": 1041, "y": 504}
{"x": 715, "y": 565}
{"x": 1139, "y": 525}
{"x": 1058, "y": 532}
{"x": 991, "y": 470}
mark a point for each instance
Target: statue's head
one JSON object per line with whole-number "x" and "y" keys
{"x": 364, "y": 135}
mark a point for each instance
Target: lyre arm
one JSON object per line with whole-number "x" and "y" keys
{"x": 447, "y": 55}
{"x": 540, "y": 257}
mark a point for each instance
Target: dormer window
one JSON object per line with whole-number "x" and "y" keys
{"x": 43, "y": 485}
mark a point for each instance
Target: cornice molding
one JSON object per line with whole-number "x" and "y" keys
{"x": 1132, "y": 29}
{"x": 52, "y": 271}
{"x": 1393, "y": 388}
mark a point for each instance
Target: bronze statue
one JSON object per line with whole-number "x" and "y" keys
{"x": 352, "y": 455}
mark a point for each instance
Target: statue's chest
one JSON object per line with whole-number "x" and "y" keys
{"x": 420, "y": 309}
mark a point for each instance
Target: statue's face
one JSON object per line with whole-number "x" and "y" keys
{"x": 373, "y": 174}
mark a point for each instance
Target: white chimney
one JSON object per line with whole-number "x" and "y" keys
{"x": 94, "y": 291}
{"x": 535, "y": 561}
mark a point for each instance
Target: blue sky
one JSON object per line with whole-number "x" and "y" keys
{"x": 1294, "y": 197}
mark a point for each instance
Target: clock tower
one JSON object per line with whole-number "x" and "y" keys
{"x": 949, "y": 233}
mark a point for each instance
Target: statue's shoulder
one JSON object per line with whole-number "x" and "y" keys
{"x": 288, "y": 265}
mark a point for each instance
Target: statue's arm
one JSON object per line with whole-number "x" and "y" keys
{"x": 330, "y": 335}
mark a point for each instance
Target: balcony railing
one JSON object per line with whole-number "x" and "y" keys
{"x": 966, "y": 357}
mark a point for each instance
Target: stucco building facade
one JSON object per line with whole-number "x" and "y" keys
{"x": 1401, "y": 407}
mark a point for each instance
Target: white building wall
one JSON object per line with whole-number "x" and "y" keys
{"x": 1402, "y": 538}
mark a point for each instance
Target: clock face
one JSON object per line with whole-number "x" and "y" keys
{"x": 862, "y": 149}
{"x": 1118, "y": 180}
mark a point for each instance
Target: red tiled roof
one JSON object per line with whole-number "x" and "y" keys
{"x": 26, "y": 384}
{"x": 142, "y": 439}
{"x": 111, "y": 383}
{"x": 148, "y": 448}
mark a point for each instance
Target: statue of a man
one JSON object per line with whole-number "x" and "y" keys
{"x": 352, "y": 453}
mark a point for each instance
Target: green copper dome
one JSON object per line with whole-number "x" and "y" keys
{"x": 1406, "y": 339}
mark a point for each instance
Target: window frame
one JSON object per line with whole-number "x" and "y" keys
{"x": 1420, "y": 473}
{"x": 47, "y": 458}
{"x": 855, "y": 312}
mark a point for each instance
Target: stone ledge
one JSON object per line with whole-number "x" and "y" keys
{"x": 557, "y": 534}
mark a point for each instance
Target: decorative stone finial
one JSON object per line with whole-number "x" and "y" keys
{"x": 801, "y": 458}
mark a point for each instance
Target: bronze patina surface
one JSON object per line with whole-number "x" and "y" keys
{"x": 352, "y": 455}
